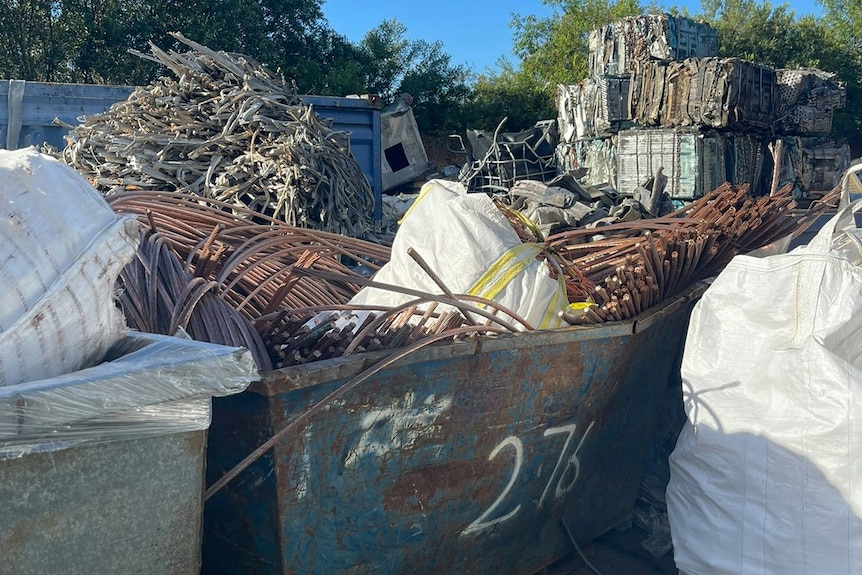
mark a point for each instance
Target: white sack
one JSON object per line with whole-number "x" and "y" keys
{"x": 471, "y": 246}
{"x": 61, "y": 250}
{"x": 766, "y": 476}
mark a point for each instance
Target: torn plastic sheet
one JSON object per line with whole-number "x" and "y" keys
{"x": 156, "y": 385}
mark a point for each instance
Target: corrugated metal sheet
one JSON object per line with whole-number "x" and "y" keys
{"x": 461, "y": 458}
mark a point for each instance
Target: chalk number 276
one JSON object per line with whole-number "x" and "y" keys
{"x": 566, "y": 467}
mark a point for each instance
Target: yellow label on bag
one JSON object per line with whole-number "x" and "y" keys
{"x": 423, "y": 191}
{"x": 507, "y": 267}
{"x": 504, "y": 270}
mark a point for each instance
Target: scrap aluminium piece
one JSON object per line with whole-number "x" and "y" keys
{"x": 510, "y": 156}
{"x": 226, "y": 129}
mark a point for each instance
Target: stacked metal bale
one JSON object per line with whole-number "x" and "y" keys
{"x": 658, "y": 96}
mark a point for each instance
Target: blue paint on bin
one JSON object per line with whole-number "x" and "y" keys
{"x": 461, "y": 458}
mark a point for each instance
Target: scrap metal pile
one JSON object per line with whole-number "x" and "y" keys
{"x": 229, "y": 130}
{"x": 656, "y": 81}
{"x": 639, "y": 264}
{"x": 273, "y": 288}
{"x": 284, "y": 292}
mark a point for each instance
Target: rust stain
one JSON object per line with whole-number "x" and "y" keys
{"x": 453, "y": 478}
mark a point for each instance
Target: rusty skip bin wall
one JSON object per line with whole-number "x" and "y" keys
{"x": 461, "y": 458}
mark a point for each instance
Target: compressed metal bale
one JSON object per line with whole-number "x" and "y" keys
{"x": 726, "y": 93}
{"x": 622, "y": 46}
{"x": 693, "y": 161}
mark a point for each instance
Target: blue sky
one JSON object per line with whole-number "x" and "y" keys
{"x": 473, "y": 32}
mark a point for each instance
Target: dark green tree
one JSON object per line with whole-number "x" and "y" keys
{"x": 512, "y": 95}
{"x": 555, "y": 50}
{"x": 395, "y": 65}
{"x": 31, "y": 40}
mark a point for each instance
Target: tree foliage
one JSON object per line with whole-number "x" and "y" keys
{"x": 555, "y": 50}
{"x": 512, "y": 95}
{"x": 88, "y": 40}
{"x": 396, "y": 65}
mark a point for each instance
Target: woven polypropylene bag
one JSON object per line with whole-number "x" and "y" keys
{"x": 61, "y": 250}
{"x": 766, "y": 476}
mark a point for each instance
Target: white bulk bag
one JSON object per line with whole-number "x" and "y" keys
{"x": 474, "y": 250}
{"x": 61, "y": 250}
{"x": 766, "y": 476}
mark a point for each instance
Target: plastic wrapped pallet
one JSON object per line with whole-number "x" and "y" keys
{"x": 805, "y": 100}
{"x": 694, "y": 162}
{"x": 619, "y": 47}
{"x": 725, "y": 93}
{"x": 149, "y": 385}
{"x": 61, "y": 248}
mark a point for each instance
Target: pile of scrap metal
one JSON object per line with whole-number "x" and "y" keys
{"x": 230, "y": 130}
{"x": 620, "y": 47}
{"x": 284, "y": 292}
{"x": 657, "y": 96}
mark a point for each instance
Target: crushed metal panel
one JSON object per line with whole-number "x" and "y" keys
{"x": 404, "y": 157}
{"x": 726, "y": 93}
{"x": 748, "y": 161}
{"x": 806, "y": 100}
{"x": 461, "y": 458}
{"x": 814, "y": 164}
{"x": 597, "y": 156}
{"x": 594, "y": 107}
